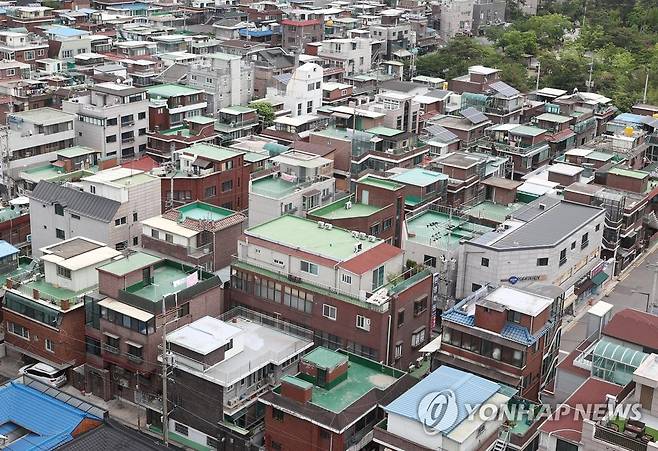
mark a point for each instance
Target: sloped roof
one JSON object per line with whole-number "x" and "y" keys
{"x": 76, "y": 201}
{"x": 634, "y": 326}
{"x": 371, "y": 258}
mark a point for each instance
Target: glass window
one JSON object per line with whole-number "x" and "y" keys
{"x": 378, "y": 277}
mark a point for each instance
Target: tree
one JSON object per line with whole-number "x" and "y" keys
{"x": 515, "y": 43}
{"x": 549, "y": 29}
{"x": 265, "y": 112}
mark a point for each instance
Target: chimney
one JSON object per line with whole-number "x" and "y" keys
{"x": 35, "y": 293}
{"x": 65, "y": 305}
{"x": 297, "y": 389}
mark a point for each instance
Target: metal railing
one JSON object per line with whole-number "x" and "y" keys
{"x": 613, "y": 437}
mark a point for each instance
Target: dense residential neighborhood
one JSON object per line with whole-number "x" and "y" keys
{"x": 401, "y": 225}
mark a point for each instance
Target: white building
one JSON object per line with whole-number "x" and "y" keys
{"x": 551, "y": 241}
{"x": 107, "y": 207}
{"x": 354, "y": 55}
{"x": 112, "y": 118}
{"x": 303, "y": 92}
{"x": 303, "y": 181}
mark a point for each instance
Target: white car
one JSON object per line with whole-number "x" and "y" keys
{"x": 44, "y": 373}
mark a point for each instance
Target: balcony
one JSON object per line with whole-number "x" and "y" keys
{"x": 111, "y": 349}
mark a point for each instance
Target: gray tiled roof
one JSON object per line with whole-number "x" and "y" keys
{"x": 76, "y": 201}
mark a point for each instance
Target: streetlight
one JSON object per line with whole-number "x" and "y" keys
{"x": 648, "y": 295}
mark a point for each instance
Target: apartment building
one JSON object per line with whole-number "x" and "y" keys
{"x": 477, "y": 80}
{"x": 400, "y": 110}
{"x": 44, "y": 313}
{"x": 329, "y": 403}
{"x": 301, "y": 91}
{"x": 66, "y": 42}
{"x": 353, "y": 55}
{"x": 235, "y": 122}
{"x": 395, "y": 32}
{"x": 456, "y": 18}
{"x": 222, "y": 366}
{"x": 108, "y": 208}
{"x": 196, "y": 129}
{"x": 500, "y": 102}
{"x": 548, "y": 241}
{"x": 227, "y": 80}
{"x": 348, "y": 288}
{"x": 171, "y": 104}
{"x": 197, "y": 233}
{"x": 22, "y": 47}
{"x": 507, "y": 334}
{"x": 299, "y": 182}
{"x": 29, "y": 17}
{"x": 137, "y": 296}
{"x": 112, "y": 118}
{"x": 300, "y": 27}
{"x": 212, "y": 174}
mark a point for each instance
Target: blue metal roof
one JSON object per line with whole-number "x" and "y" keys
{"x": 630, "y": 117}
{"x": 255, "y": 33}
{"x": 65, "y": 32}
{"x": 49, "y": 421}
{"x": 468, "y": 389}
{"x": 7, "y": 249}
{"x": 132, "y": 6}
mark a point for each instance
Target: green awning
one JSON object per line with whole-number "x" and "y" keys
{"x": 599, "y": 278}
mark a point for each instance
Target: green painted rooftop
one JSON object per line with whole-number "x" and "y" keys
{"x": 237, "y": 109}
{"x": 419, "y": 177}
{"x": 45, "y": 172}
{"x": 50, "y": 290}
{"x": 628, "y": 173}
{"x": 274, "y": 187}
{"x": 550, "y": 117}
{"x": 324, "y": 358}
{"x": 132, "y": 262}
{"x": 212, "y": 152}
{"x": 491, "y": 211}
{"x": 9, "y": 213}
{"x": 527, "y": 130}
{"x": 136, "y": 179}
{"x": 380, "y": 183}
{"x": 337, "y": 210}
{"x": 171, "y": 90}
{"x": 296, "y": 232}
{"x": 439, "y": 229}
{"x": 202, "y": 210}
{"x": 76, "y": 151}
{"x": 362, "y": 376}
{"x": 384, "y": 131}
{"x": 163, "y": 278}
{"x": 181, "y": 130}
{"x": 301, "y": 383}
{"x": 253, "y": 157}
{"x": 599, "y": 156}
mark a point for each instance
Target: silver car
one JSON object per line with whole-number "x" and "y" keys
{"x": 44, "y": 373}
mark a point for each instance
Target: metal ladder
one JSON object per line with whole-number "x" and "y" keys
{"x": 501, "y": 442}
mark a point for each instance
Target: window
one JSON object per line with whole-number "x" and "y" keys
{"x": 59, "y": 210}
{"x": 92, "y": 189}
{"x": 398, "y": 351}
{"x": 584, "y": 241}
{"x": 485, "y": 262}
{"x": 74, "y": 216}
{"x": 309, "y": 107}
{"x": 346, "y": 278}
{"x": 308, "y": 267}
{"x": 475, "y": 287}
{"x": 228, "y": 346}
{"x": 211, "y": 191}
{"x": 563, "y": 256}
{"x": 420, "y": 306}
{"x": 155, "y": 234}
{"x": 135, "y": 240}
{"x": 573, "y": 245}
{"x": 120, "y": 221}
{"x": 212, "y": 442}
{"x": 542, "y": 261}
{"x": 169, "y": 238}
{"x": 329, "y": 311}
{"x": 277, "y": 414}
{"x": 378, "y": 278}
{"x": 92, "y": 346}
{"x": 135, "y": 352}
{"x": 181, "y": 429}
{"x": 362, "y": 322}
{"x": 429, "y": 260}
{"x": 513, "y": 317}
{"x": 597, "y": 228}
{"x": 374, "y": 229}
{"x": 112, "y": 121}
{"x": 418, "y": 338}
{"x": 141, "y": 115}
{"x": 135, "y": 217}
{"x": 18, "y": 330}
{"x": 276, "y": 446}
{"x": 184, "y": 310}
{"x": 59, "y": 233}
{"x": 227, "y": 186}
{"x": 112, "y": 344}
{"x": 387, "y": 224}
{"x": 63, "y": 272}
{"x": 400, "y": 317}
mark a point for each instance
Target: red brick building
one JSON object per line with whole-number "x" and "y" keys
{"x": 507, "y": 335}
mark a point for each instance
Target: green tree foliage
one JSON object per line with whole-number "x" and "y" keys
{"x": 265, "y": 112}
{"x": 516, "y": 43}
{"x": 549, "y": 29}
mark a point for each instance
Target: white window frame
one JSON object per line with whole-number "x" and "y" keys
{"x": 327, "y": 311}
{"x": 11, "y": 329}
{"x": 363, "y": 323}
{"x": 346, "y": 279}
{"x": 398, "y": 351}
{"x": 49, "y": 345}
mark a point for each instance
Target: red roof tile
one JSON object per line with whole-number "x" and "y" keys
{"x": 370, "y": 259}
{"x": 145, "y": 163}
{"x": 634, "y": 326}
{"x": 569, "y": 425}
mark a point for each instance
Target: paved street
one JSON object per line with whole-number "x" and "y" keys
{"x": 639, "y": 278}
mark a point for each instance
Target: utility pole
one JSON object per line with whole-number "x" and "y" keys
{"x": 646, "y": 87}
{"x": 165, "y": 364}
{"x": 652, "y": 296}
{"x": 538, "y": 74}
{"x": 591, "y": 69}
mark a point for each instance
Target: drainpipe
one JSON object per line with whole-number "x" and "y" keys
{"x": 388, "y": 339}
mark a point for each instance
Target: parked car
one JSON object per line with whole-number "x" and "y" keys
{"x": 44, "y": 373}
